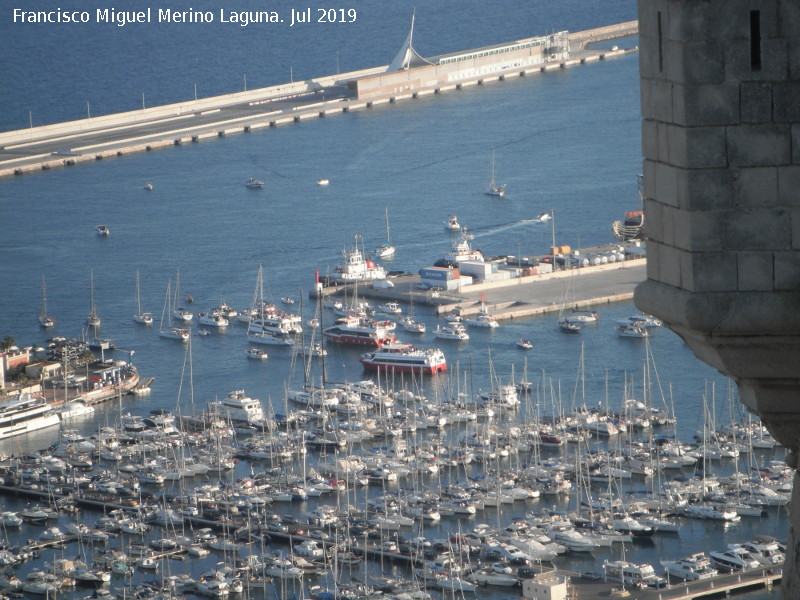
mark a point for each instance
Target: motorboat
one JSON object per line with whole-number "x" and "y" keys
{"x": 633, "y": 574}
{"x": 312, "y": 350}
{"x": 102, "y": 230}
{"x": 765, "y": 550}
{"x": 271, "y": 338}
{"x": 287, "y": 300}
{"x": 323, "y": 182}
{"x": 733, "y": 559}
{"x": 524, "y": 344}
{"x": 254, "y": 184}
{"x": 482, "y": 319}
{"x": 148, "y": 186}
{"x": 691, "y": 568}
{"x": 256, "y": 354}
{"x": 642, "y": 320}
{"x": 238, "y": 406}
{"x": 543, "y": 217}
{"x": 632, "y": 330}
{"x": 75, "y": 409}
{"x": 392, "y": 308}
{"x": 405, "y": 358}
{"x": 452, "y": 224}
{"x": 451, "y": 331}
{"x": 212, "y": 319}
{"x": 584, "y": 316}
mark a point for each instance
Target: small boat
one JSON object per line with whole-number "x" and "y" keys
{"x": 103, "y": 230}
{"x": 257, "y": 354}
{"x": 203, "y": 332}
{"x": 312, "y": 350}
{"x": 632, "y": 330}
{"x": 148, "y": 186}
{"x": 569, "y": 326}
{"x": 254, "y": 183}
{"x": 495, "y": 189}
{"x": 323, "y": 182}
{"x": 452, "y": 224}
{"x": 409, "y": 324}
{"x": 524, "y": 344}
{"x": 451, "y": 331}
{"x": 543, "y": 218}
{"x": 189, "y": 299}
{"x": 392, "y": 308}
{"x": 386, "y": 250}
{"x": 45, "y": 320}
{"x": 287, "y": 300}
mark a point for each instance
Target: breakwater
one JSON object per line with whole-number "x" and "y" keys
{"x": 111, "y": 136}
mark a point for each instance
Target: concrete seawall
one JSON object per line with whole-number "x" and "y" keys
{"x": 23, "y": 151}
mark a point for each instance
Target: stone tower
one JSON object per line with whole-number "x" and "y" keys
{"x": 720, "y": 87}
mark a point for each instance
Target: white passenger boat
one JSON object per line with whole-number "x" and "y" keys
{"x": 392, "y": 308}
{"x": 404, "y": 358}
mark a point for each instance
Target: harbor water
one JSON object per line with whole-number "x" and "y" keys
{"x": 567, "y": 141}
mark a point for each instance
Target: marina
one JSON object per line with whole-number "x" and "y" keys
{"x": 404, "y": 476}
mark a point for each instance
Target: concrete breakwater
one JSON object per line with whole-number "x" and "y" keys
{"x": 110, "y": 136}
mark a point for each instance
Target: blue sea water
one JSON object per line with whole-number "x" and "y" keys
{"x": 568, "y": 141}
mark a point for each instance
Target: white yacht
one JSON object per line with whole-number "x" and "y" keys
{"x": 237, "y": 406}
{"x": 692, "y": 568}
{"x": 451, "y": 331}
{"x": 733, "y": 559}
{"x": 452, "y": 224}
{"x": 24, "y": 414}
{"x": 632, "y": 574}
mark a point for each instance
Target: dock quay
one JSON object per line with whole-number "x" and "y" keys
{"x": 110, "y": 136}
{"x": 529, "y": 296}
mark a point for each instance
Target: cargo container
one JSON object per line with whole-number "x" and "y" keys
{"x": 439, "y": 273}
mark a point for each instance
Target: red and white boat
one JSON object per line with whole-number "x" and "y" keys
{"x": 405, "y": 358}
{"x": 360, "y": 331}
{"x": 354, "y": 267}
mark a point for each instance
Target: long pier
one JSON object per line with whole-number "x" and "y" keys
{"x": 116, "y": 135}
